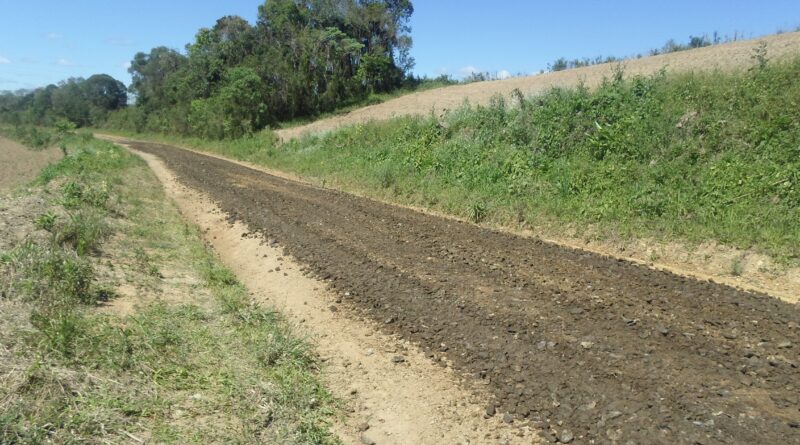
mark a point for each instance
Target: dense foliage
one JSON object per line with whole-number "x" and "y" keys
{"x": 301, "y": 58}
{"x": 80, "y": 101}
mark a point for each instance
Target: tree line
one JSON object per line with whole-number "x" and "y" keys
{"x": 83, "y": 102}
{"x": 301, "y": 58}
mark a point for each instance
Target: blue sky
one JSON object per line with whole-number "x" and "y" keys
{"x": 43, "y": 42}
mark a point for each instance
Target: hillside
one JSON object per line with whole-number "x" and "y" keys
{"x": 729, "y": 56}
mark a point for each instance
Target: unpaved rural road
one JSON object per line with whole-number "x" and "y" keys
{"x": 566, "y": 340}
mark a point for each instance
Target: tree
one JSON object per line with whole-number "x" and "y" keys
{"x": 105, "y": 92}
{"x": 151, "y": 74}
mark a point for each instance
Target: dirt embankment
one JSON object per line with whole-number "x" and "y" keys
{"x": 729, "y": 56}
{"x": 582, "y": 346}
{"x": 19, "y": 164}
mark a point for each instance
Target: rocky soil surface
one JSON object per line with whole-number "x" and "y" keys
{"x": 589, "y": 349}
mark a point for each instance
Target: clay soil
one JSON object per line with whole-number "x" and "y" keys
{"x": 575, "y": 344}
{"x": 726, "y": 57}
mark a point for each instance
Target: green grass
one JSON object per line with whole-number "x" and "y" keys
{"x": 696, "y": 157}
{"x": 212, "y": 367}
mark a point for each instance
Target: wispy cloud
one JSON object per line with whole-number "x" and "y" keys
{"x": 503, "y": 74}
{"x": 4, "y": 61}
{"x": 468, "y": 70}
{"x": 125, "y": 65}
{"x": 64, "y": 62}
{"x": 53, "y": 36}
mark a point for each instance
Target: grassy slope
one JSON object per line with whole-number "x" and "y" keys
{"x": 699, "y": 157}
{"x": 198, "y": 364}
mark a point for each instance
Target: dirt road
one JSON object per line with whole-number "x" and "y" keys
{"x": 734, "y": 55}
{"x": 581, "y": 346}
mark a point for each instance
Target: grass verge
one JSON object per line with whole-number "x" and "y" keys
{"x": 119, "y": 326}
{"x": 698, "y": 157}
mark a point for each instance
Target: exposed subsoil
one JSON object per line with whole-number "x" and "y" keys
{"x": 585, "y": 347}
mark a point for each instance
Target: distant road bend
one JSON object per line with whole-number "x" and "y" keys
{"x": 565, "y": 339}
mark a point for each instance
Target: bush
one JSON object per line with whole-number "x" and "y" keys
{"x": 83, "y": 231}
{"x": 49, "y": 274}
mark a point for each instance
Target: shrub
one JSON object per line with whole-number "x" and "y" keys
{"x": 83, "y": 231}
{"x": 49, "y": 274}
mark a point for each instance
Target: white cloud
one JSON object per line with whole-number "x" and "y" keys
{"x": 4, "y": 61}
{"x": 467, "y": 70}
{"x": 53, "y": 36}
{"x": 503, "y": 74}
{"x": 125, "y": 65}
{"x": 64, "y": 62}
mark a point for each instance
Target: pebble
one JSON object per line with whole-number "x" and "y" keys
{"x": 490, "y": 411}
{"x": 784, "y": 345}
{"x": 398, "y": 359}
{"x": 508, "y": 418}
{"x": 366, "y": 440}
{"x": 333, "y": 308}
{"x": 587, "y": 344}
{"x": 566, "y": 436}
{"x": 363, "y": 426}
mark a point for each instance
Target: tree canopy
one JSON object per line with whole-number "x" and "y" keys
{"x": 82, "y": 101}
{"x": 300, "y": 58}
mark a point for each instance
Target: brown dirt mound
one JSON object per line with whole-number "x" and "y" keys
{"x": 729, "y": 56}
{"x": 579, "y": 344}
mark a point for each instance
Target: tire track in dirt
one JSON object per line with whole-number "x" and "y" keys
{"x": 577, "y": 344}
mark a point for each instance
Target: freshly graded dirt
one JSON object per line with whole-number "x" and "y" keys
{"x": 579, "y": 345}
{"x": 729, "y": 56}
{"x": 386, "y": 400}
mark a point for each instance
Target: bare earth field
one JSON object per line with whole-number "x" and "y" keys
{"x": 582, "y": 347}
{"x": 729, "y": 56}
{"x": 19, "y": 164}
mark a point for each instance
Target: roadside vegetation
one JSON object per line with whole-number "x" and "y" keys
{"x": 192, "y": 360}
{"x": 708, "y": 156}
